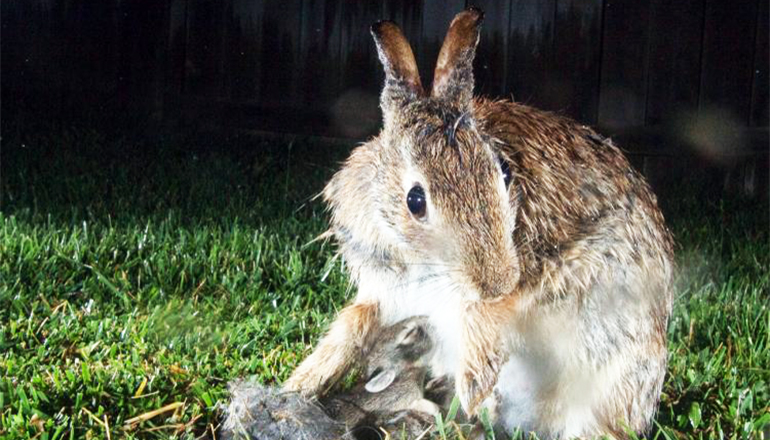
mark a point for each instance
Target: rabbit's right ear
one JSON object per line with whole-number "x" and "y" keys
{"x": 402, "y": 79}
{"x": 453, "y": 77}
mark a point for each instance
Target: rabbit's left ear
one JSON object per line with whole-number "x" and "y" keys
{"x": 402, "y": 79}
{"x": 453, "y": 78}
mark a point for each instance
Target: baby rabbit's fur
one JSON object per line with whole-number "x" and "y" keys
{"x": 390, "y": 398}
{"x": 540, "y": 257}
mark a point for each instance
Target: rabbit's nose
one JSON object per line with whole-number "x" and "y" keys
{"x": 498, "y": 283}
{"x": 496, "y": 278}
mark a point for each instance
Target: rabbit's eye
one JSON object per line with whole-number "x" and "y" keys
{"x": 506, "y": 172}
{"x": 415, "y": 201}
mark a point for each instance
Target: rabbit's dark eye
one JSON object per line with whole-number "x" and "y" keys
{"x": 506, "y": 172}
{"x": 415, "y": 201}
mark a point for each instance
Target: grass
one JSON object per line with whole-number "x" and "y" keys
{"x": 139, "y": 274}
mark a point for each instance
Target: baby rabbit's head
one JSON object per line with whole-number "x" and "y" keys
{"x": 399, "y": 350}
{"x": 431, "y": 193}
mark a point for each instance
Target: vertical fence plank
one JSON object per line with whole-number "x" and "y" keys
{"x": 728, "y": 49}
{"x": 761, "y": 76}
{"x": 203, "y": 63}
{"x": 142, "y": 51}
{"x": 280, "y": 53}
{"x": 577, "y": 57}
{"x": 32, "y": 56}
{"x": 320, "y": 71}
{"x": 358, "y": 55}
{"x": 623, "y": 86}
{"x": 530, "y": 55}
{"x": 490, "y": 67}
{"x": 407, "y": 14}
{"x": 92, "y": 55}
{"x": 177, "y": 43}
{"x": 355, "y": 108}
{"x": 674, "y": 60}
{"x": 243, "y": 65}
{"x": 437, "y": 15}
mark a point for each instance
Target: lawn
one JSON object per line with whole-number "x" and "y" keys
{"x": 140, "y": 274}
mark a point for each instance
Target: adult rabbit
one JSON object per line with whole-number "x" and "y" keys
{"x": 538, "y": 254}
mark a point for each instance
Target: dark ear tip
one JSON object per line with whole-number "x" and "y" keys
{"x": 378, "y": 27}
{"x": 478, "y": 12}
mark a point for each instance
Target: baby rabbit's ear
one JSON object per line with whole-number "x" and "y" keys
{"x": 402, "y": 79}
{"x": 453, "y": 78}
{"x": 380, "y": 380}
{"x": 411, "y": 335}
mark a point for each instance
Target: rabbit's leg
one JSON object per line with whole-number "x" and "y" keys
{"x": 485, "y": 349}
{"x": 337, "y": 351}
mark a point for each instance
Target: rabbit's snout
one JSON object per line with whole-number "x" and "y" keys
{"x": 495, "y": 279}
{"x": 489, "y": 256}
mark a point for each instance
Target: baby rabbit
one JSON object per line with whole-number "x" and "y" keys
{"x": 259, "y": 412}
{"x": 396, "y": 372}
{"x": 537, "y": 253}
{"x": 390, "y": 397}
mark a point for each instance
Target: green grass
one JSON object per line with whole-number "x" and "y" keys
{"x": 138, "y": 273}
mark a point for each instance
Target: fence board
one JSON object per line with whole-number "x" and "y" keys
{"x": 728, "y": 49}
{"x": 437, "y": 15}
{"x": 204, "y": 57}
{"x": 320, "y": 78}
{"x": 142, "y": 51}
{"x": 355, "y": 110}
{"x": 358, "y": 55}
{"x": 531, "y": 72}
{"x": 760, "y": 107}
{"x": 577, "y": 58}
{"x": 243, "y": 54}
{"x": 623, "y": 86}
{"x": 280, "y": 53}
{"x": 177, "y": 44}
{"x": 31, "y": 54}
{"x": 490, "y": 67}
{"x": 674, "y": 61}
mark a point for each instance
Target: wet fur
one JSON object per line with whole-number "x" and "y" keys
{"x": 550, "y": 297}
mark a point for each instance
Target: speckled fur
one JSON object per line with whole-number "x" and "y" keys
{"x": 550, "y": 297}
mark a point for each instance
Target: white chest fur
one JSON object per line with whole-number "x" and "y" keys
{"x": 421, "y": 292}
{"x": 536, "y": 366}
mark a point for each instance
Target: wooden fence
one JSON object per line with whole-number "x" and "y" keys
{"x": 309, "y": 66}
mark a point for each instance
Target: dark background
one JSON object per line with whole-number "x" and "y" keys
{"x": 676, "y": 83}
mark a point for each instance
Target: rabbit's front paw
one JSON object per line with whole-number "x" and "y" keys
{"x": 476, "y": 380}
{"x": 485, "y": 351}
{"x": 440, "y": 390}
{"x": 304, "y": 383}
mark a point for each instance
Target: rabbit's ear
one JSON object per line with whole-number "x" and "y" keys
{"x": 380, "y": 380}
{"x": 453, "y": 78}
{"x": 402, "y": 79}
{"x": 411, "y": 335}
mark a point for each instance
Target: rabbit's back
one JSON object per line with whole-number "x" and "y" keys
{"x": 572, "y": 184}
{"x": 595, "y": 251}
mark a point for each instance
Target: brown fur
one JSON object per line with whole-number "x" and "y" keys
{"x": 577, "y": 236}
{"x": 337, "y": 351}
{"x": 451, "y": 81}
